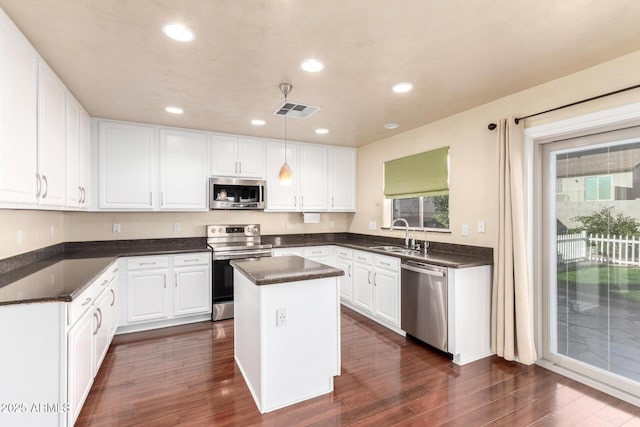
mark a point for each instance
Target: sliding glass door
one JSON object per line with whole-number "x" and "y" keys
{"x": 591, "y": 286}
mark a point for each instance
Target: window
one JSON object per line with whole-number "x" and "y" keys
{"x": 417, "y": 189}
{"x": 597, "y": 188}
{"x": 422, "y": 212}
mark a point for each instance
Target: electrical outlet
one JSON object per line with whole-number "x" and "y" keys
{"x": 465, "y": 230}
{"x": 116, "y": 228}
{"x": 19, "y": 237}
{"x": 482, "y": 228}
{"x": 288, "y": 225}
{"x": 373, "y": 225}
{"x": 332, "y": 224}
{"x": 176, "y": 227}
{"x": 281, "y": 317}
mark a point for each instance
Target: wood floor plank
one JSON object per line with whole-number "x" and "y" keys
{"x": 186, "y": 376}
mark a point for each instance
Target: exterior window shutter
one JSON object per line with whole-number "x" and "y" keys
{"x": 421, "y": 175}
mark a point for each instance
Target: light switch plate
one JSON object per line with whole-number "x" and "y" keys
{"x": 482, "y": 228}
{"x": 116, "y": 228}
{"x": 465, "y": 229}
{"x": 373, "y": 225}
{"x": 176, "y": 227}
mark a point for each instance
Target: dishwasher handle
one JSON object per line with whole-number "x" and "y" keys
{"x": 423, "y": 269}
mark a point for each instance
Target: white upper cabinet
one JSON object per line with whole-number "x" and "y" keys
{"x": 313, "y": 178}
{"x": 127, "y": 166}
{"x": 237, "y": 156}
{"x": 18, "y": 107}
{"x": 183, "y": 170}
{"x": 282, "y": 197}
{"x": 342, "y": 179}
{"x": 85, "y": 159}
{"x": 74, "y": 190}
{"x": 52, "y": 112}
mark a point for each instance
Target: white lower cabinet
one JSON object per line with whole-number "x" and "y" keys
{"x": 80, "y": 371}
{"x": 148, "y": 298}
{"x": 371, "y": 285}
{"x": 164, "y": 291}
{"x": 102, "y": 318}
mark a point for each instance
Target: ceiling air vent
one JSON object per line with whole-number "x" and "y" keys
{"x": 296, "y": 111}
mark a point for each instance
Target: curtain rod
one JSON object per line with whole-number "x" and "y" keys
{"x": 492, "y": 126}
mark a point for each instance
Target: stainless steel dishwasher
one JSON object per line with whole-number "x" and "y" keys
{"x": 423, "y": 300}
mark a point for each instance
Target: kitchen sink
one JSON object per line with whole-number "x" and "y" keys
{"x": 388, "y": 248}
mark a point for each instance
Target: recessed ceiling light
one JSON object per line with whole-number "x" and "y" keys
{"x": 322, "y": 131}
{"x": 402, "y": 87}
{"x": 391, "y": 126}
{"x": 312, "y": 65}
{"x": 178, "y": 32}
{"x": 258, "y": 122}
{"x": 174, "y": 110}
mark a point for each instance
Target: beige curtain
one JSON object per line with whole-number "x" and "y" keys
{"x": 511, "y": 325}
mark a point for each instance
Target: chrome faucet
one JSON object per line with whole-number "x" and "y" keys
{"x": 406, "y": 225}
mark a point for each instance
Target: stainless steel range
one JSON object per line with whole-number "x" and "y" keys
{"x": 231, "y": 242}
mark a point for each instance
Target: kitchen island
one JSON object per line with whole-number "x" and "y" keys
{"x": 287, "y": 328}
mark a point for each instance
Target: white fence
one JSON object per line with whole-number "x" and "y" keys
{"x": 622, "y": 250}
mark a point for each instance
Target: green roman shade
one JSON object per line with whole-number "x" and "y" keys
{"x": 425, "y": 174}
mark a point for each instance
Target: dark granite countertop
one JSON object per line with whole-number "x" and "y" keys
{"x": 270, "y": 271}
{"x": 62, "y": 273}
{"x": 441, "y": 254}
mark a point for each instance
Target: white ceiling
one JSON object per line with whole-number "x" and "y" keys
{"x": 458, "y": 54}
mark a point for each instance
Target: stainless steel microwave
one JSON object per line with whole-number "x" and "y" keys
{"x": 233, "y": 193}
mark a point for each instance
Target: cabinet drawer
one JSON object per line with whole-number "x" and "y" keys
{"x": 363, "y": 257}
{"x": 105, "y": 279}
{"x": 386, "y": 262}
{"x": 191, "y": 259}
{"x": 139, "y": 263}
{"x": 80, "y": 304}
{"x": 316, "y": 251}
{"x": 344, "y": 253}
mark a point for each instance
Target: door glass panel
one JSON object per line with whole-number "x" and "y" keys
{"x": 594, "y": 253}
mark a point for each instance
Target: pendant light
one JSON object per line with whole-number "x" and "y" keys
{"x": 285, "y": 176}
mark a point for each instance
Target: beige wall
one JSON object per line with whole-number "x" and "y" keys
{"x": 38, "y": 229}
{"x": 79, "y": 226}
{"x": 473, "y": 148}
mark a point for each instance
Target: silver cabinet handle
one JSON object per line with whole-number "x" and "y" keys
{"x": 115, "y": 270}
{"x": 87, "y": 301}
{"x": 46, "y": 189}
{"x": 331, "y": 201}
{"x": 97, "y": 323}
{"x": 191, "y": 260}
{"x": 151, "y": 198}
{"x": 100, "y": 313}
{"x": 316, "y": 252}
{"x": 162, "y": 198}
{"x": 147, "y": 263}
{"x": 113, "y": 294}
{"x": 240, "y": 168}
{"x": 38, "y": 185}
{"x": 374, "y": 279}
{"x": 104, "y": 283}
{"x": 385, "y": 263}
{"x": 165, "y": 281}
{"x": 369, "y": 278}
{"x": 236, "y": 168}
{"x": 84, "y": 195}
{"x": 295, "y": 202}
{"x": 176, "y": 279}
{"x": 301, "y": 201}
{"x": 79, "y": 194}
{"x": 349, "y": 270}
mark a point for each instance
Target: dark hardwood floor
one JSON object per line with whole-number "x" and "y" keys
{"x": 186, "y": 376}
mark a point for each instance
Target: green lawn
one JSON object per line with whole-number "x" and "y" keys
{"x": 624, "y": 281}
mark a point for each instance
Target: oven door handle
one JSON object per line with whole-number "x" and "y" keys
{"x": 241, "y": 255}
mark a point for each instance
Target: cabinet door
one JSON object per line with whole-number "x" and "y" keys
{"x": 85, "y": 158}
{"x": 52, "y": 112}
{"x": 73, "y": 135}
{"x": 102, "y": 320}
{"x": 251, "y": 158}
{"x": 18, "y": 113}
{"x": 313, "y": 178}
{"x": 342, "y": 179}
{"x": 224, "y": 155}
{"x": 346, "y": 282}
{"x": 183, "y": 170}
{"x": 387, "y": 291}
{"x": 147, "y": 295}
{"x": 127, "y": 165}
{"x": 362, "y": 285}
{"x": 192, "y": 292}
{"x": 282, "y": 197}
{"x": 80, "y": 362}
